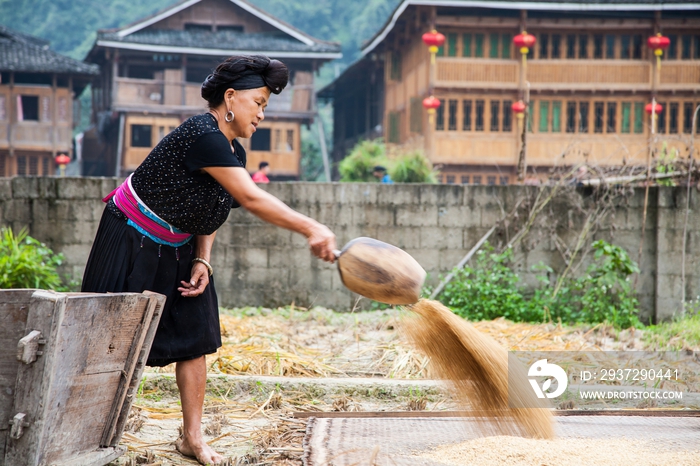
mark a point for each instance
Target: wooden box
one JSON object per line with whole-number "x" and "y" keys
{"x": 70, "y": 365}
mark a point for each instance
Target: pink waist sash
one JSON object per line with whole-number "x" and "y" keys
{"x": 140, "y": 217}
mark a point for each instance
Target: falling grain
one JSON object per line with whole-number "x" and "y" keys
{"x": 477, "y": 368}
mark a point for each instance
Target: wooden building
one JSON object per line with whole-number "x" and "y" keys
{"x": 37, "y": 91}
{"x": 588, "y": 79}
{"x": 152, "y": 71}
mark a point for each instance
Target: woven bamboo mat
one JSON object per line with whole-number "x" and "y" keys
{"x": 393, "y": 441}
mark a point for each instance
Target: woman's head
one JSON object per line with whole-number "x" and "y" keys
{"x": 244, "y": 73}
{"x": 239, "y": 90}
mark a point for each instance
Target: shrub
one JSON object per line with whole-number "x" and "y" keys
{"x": 413, "y": 167}
{"x": 359, "y": 165}
{"x": 27, "y": 263}
{"x": 490, "y": 289}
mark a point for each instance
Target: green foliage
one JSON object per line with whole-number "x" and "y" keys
{"x": 71, "y": 26}
{"x": 666, "y": 163}
{"x": 359, "y": 165}
{"x": 603, "y": 294}
{"x": 490, "y": 288}
{"x": 27, "y": 263}
{"x": 681, "y": 333}
{"x": 413, "y": 167}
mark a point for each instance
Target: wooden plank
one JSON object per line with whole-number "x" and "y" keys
{"x": 99, "y": 457}
{"x": 94, "y": 341}
{"x": 432, "y": 414}
{"x": 70, "y": 391}
{"x": 129, "y": 366}
{"x": 157, "y": 301}
{"x": 33, "y": 380}
{"x": 13, "y": 321}
{"x": 75, "y": 424}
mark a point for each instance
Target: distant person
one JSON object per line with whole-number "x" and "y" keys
{"x": 579, "y": 176}
{"x": 381, "y": 174}
{"x": 260, "y": 176}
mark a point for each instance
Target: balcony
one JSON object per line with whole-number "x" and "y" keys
{"x": 35, "y": 136}
{"x": 157, "y": 95}
{"x": 476, "y": 73}
{"x": 589, "y": 74}
{"x": 584, "y": 75}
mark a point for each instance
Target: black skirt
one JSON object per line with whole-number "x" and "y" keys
{"x": 124, "y": 260}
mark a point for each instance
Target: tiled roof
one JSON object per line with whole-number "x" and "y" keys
{"x": 22, "y": 53}
{"x": 220, "y": 40}
{"x": 544, "y": 5}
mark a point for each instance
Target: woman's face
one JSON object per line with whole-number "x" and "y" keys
{"x": 248, "y": 106}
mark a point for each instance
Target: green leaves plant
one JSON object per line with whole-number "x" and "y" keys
{"x": 490, "y": 289}
{"x": 27, "y": 263}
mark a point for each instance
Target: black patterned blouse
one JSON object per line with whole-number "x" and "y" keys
{"x": 171, "y": 183}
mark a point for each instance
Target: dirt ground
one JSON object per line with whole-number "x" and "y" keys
{"x": 277, "y": 362}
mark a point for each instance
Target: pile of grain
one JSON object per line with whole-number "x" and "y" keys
{"x": 476, "y": 367}
{"x": 516, "y": 451}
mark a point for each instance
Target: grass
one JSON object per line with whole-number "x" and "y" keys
{"x": 681, "y": 333}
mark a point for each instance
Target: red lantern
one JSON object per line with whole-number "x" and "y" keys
{"x": 431, "y": 103}
{"x": 655, "y": 107}
{"x": 433, "y": 40}
{"x": 658, "y": 44}
{"x": 518, "y": 107}
{"x": 524, "y": 41}
{"x": 62, "y": 159}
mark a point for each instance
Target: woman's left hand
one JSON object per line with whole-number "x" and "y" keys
{"x": 198, "y": 282}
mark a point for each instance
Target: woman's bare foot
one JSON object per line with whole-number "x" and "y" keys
{"x": 199, "y": 450}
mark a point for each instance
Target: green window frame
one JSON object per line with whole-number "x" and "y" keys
{"x": 466, "y": 45}
{"x": 494, "y": 42}
{"x": 479, "y": 45}
{"x": 394, "y": 136}
{"x": 626, "y": 113}
{"x": 544, "y": 116}
{"x": 452, "y": 44}
{"x": 556, "y": 116}
{"x": 506, "y": 41}
{"x": 638, "y": 117}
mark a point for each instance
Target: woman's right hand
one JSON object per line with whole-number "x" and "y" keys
{"x": 322, "y": 242}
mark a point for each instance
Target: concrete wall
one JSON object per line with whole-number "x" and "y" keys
{"x": 258, "y": 264}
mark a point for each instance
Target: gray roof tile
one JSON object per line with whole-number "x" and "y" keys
{"x": 225, "y": 40}
{"x": 23, "y": 53}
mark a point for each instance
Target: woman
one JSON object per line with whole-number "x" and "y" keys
{"x": 158, "y": 227}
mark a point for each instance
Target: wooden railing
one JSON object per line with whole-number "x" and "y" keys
{"x": 144, "y": 93}
{"x": 470, "y": 72}
{"x": 35, "y": 135}
{"x": 680, "y": 75}
{"x": 457, "y": 72}
{"x": 148, "y": 92}
{"x": 589, "y": 74}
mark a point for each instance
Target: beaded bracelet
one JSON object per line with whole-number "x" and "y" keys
{"x": 206, "y": 264}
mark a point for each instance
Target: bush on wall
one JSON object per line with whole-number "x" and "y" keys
{"x": 27, "y": 263}
{"x": 403, "y": 167}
